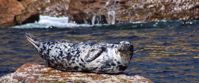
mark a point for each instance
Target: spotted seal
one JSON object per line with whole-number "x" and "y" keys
{"x": 85, "y": 56}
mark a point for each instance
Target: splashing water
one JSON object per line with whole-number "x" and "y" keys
{"x": 50, "y": 22}
{"x": 111, "y": 17}
{"x": 111, "y": 8}
{"x": 93, "y": 20}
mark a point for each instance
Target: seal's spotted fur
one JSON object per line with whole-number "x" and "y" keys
{"x": 90, "y": 57}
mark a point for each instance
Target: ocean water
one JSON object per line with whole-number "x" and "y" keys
{"x": 165, "y": 51}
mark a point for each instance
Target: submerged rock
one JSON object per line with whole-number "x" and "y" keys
{"x": 37, "y": 73}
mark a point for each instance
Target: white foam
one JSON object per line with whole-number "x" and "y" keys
{"x": 49, "y": 22}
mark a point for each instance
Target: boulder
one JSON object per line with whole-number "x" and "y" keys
{"x": 34, "y": 8}
{"x": 9, "y": 9}
{"x": 15, "y": 12}
{"x": 38, "y": 73}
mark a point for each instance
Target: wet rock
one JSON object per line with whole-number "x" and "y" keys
{"x": 26, "y": 18}
{"x": 37, "y": 73}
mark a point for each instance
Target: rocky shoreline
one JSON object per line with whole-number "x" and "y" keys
{"x": 38, "y": 73}
{"x": 15, "y": 12}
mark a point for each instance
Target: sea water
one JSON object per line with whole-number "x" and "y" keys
{"x": 165, "y": 51}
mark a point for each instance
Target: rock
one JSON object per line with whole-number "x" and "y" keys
{"x": 126, "y": 11}
{"x": 37, "y": 73}
{"x": 98, "y": 11}
{"x": 27, "y": 11}
{"x": 153, "y": 10}
{"x": 83, "y": 11}
{"x": 17, "y": 12}
{"x": 56, "y": 8}
{"x": 9, "y": 9}
{"x": 44, "y": 7}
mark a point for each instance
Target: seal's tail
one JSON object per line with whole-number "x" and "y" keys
{"x": 32, "y": 41}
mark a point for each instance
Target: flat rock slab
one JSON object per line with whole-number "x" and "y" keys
{"x": 37, "y": 73}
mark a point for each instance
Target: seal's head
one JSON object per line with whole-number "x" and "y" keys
{"x": 126, "y": 51}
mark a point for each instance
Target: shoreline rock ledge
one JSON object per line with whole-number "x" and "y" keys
{"x": 37, "y": 73}
{"x": 16, "y": 12}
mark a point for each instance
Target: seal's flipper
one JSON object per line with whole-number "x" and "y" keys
{"x": 94, "y": 53}
{"x": 32, "y": 41}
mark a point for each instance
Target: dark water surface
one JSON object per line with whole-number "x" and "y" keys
{"x": 166, "y": 52}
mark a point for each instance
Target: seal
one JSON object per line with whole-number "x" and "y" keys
{"x": 85, "y": 56}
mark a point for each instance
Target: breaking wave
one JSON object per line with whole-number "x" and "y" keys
{"x": 50, "y": 22}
